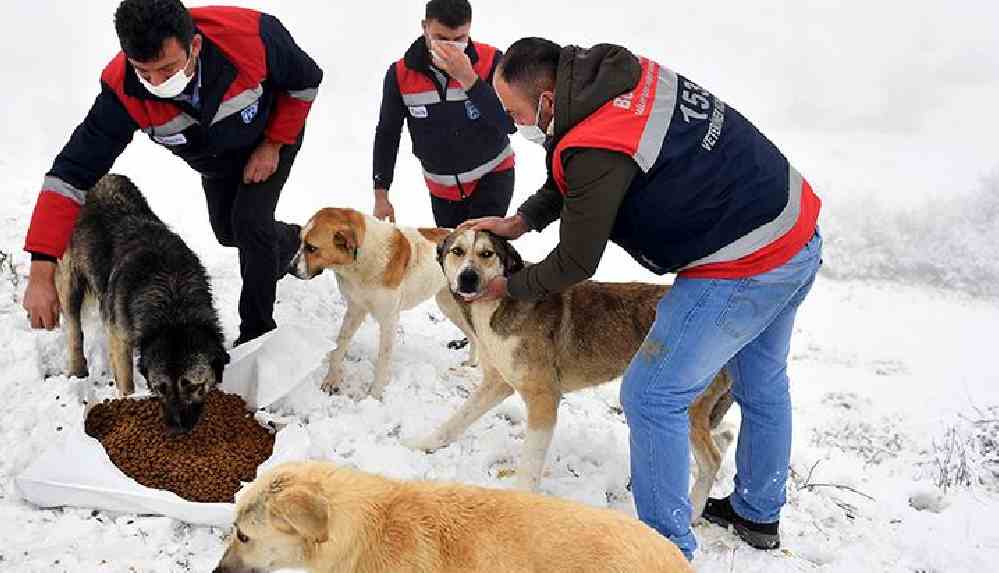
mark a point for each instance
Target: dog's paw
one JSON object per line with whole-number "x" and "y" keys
{"x": 331, "y": 385}
{"x": 423, "y": 444}
{"x": 78, "y": 372}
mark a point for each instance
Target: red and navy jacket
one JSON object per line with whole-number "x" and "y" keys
{"x": 714, "y": 197}
{"x": 459, "y": 136}
{"x": 255, "y": 84}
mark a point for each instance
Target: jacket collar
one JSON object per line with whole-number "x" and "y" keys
{"x": 217, "y": 74}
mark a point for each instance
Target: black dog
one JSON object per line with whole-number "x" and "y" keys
{"x": 153, "y": 294}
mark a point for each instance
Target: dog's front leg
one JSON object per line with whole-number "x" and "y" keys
{"x": 352, "y": 320}
{"x": 445, "y": 301}
{"x": 386, "y": 342}
{"x": 490, "y": 392}
{"x": 542, "y": 413}
{"x": 121, "y": 361}
{"x": 71, "y": 294}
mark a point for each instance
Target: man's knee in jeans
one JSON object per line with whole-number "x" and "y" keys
{"x": 643, "y": 394}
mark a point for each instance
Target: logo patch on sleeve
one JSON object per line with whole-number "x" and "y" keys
{"x": 249, "y": 112}
{"x": 419, "y": 111}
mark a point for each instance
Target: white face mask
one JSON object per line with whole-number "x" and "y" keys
{"x": 172, "y": 87}
{"x": 460, "y": 46}
{"x": 533, "y": 132}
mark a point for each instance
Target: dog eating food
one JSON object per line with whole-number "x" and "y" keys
{"x": 205, "y": 465}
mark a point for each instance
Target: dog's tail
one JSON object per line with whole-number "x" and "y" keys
{"x": 724, "y": 401}
{"x": 117, "y": 193}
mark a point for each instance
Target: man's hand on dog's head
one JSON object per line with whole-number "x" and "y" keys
{"x": 511, "y": 227}
{"x": 40, "y": 298}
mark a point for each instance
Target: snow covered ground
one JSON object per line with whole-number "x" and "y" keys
{"x": 892, "y": 363}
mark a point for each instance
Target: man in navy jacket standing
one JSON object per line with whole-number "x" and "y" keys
{"x": 442, "y": 88}
{"x": 225, "y": 89}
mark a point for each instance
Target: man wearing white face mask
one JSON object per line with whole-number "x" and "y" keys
{"x": 642, "y": 156}
{"x": 225, "y": 89}
{"x": 442, "y": 89}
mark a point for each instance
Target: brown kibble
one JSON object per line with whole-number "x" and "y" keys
{"x": 205, "y": 465}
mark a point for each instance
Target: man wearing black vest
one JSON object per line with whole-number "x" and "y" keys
{"x": 442, "y": 88}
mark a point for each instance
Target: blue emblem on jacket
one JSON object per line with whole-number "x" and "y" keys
{"x": 249, "y": 112}
{"x": 472, "y": 111}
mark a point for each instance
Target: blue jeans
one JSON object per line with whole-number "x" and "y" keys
{"x": 701, "y": 326}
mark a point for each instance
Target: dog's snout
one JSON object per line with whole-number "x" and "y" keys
{"x": 181, "y": 418}
{"x": 468, "y": 281}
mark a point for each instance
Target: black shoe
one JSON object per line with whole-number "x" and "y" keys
{"x": 246, "y": 337}
{"x": 758, "y": 535}
{"x": 458, "y": 343}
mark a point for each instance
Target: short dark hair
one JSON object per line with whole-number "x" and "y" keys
{"x": 143, "y": 26}
{"x": 531, "y": 64}
{"x": 451, "y": 13}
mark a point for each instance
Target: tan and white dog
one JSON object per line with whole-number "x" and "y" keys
{"x": 324, "y": 519}
{"x": 582, "y": 337}
{"x": 381, "y": 270}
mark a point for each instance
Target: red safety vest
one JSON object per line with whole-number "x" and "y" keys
{"x": 638, "y": 124}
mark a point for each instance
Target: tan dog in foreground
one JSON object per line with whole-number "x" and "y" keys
{"x": 582, "y": 337}
{"x": 381, "y": 270}
{"x": 321, "y": 518}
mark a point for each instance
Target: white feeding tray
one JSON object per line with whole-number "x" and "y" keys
{"x": 78, "y": 472}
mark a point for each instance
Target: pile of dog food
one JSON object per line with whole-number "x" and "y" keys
{"x": 205, "y": 465}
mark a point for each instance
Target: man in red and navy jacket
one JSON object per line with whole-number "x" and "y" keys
{"x": 642, "y": 156}
{"x": 442, "y": 89}
{"x": 225, "y": 89}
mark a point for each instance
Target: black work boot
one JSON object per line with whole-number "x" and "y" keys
{"x": 758, "y": 535}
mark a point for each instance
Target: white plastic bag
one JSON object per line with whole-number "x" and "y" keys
{"x": 78, "y": 472}
{"x": 266, "y": 369}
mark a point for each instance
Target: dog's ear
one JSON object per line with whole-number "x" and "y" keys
{"x": 300, "y": 510}
{"x": 512, "y": 262}
{"x": 348, "y": 238}
{"x": 443, "y": 247}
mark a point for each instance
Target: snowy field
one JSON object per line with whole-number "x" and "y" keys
{"x": 896, "y": 397}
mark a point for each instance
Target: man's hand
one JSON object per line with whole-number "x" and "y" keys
{"x": 263, "y": 162}
{"x": 383, "y": 207}
{"x": 455, "y": 63}
{"x": 40, "y": 298}
{"x": 495, "y": 290}
{"x": 511, "y": 227}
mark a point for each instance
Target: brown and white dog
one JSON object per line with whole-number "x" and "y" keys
{"x": 579, "y": 338}
{"x": 381, "y": 270}
{"x": 321, "y": 518}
